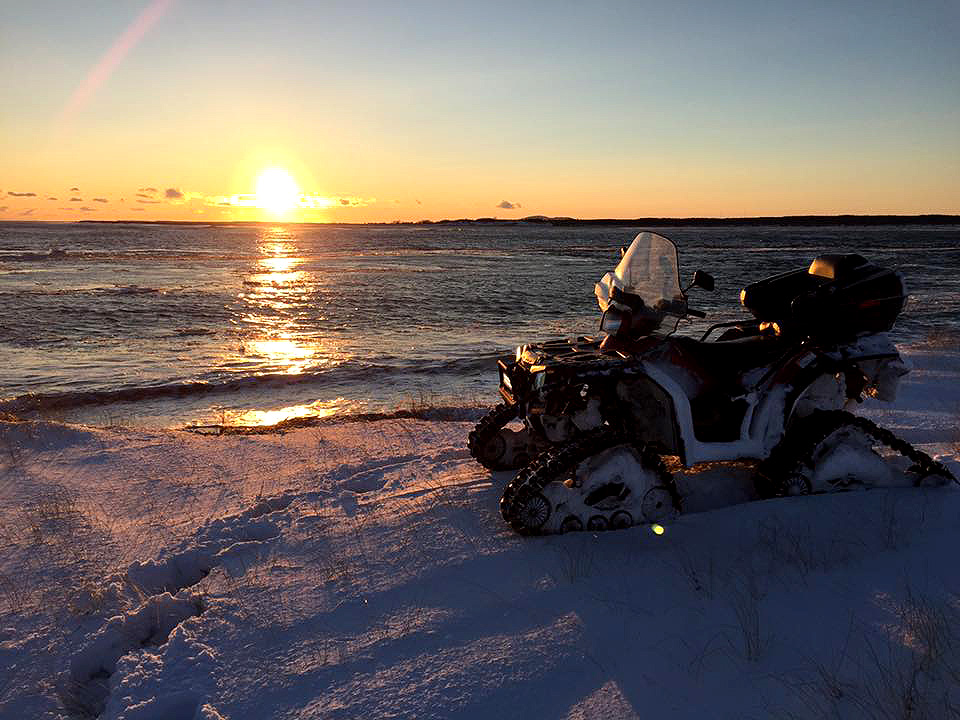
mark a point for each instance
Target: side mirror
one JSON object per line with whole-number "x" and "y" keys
{"x": 703, "y": 280}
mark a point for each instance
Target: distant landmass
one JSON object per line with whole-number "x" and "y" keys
{"x": 930, "y": 219}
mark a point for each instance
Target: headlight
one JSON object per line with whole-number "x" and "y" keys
{"x": 610, "y": 322}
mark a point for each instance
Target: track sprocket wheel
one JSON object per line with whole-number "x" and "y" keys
{"x": 832, "y": 450}
{"x": 496, "y": 446}
{"x": 596, "y": 482}
{"x": 658, "y": 506}
{"x": 535, "y": 511}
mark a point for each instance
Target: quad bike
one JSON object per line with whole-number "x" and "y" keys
{"x": 601, "y": 428}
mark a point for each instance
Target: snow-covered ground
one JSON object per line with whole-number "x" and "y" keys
{"x": 361, "y": 570}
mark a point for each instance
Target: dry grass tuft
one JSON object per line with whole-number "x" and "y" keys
{"x": 908, "y": 669}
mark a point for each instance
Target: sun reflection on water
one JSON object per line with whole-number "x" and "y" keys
{"x": 280, "y": 329}
{"x": 284, "y": 351}
{"x": 248, "y": 418}
{"x": 280, "y": 266}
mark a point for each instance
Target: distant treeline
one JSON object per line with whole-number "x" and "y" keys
{"x": 705, "y": 221}
{"x": 627, "y": 222}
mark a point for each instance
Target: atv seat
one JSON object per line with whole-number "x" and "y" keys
{"x": 718, "y": 407}
{"x": 722, "y": 364}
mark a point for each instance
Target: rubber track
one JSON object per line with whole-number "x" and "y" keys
{"x": 484, "y": 431}
{"x": 554, "y": 462}
{"x": 800, "y": 443}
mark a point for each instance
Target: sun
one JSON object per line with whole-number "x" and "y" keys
{"x": 277, "y": 191}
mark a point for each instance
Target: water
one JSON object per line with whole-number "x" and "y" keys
{"x": 162, "y": 325}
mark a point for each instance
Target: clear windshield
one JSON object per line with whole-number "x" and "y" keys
{"x": 648, "y": 272}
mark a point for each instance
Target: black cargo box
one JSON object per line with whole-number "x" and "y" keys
{"x": 838, "y": 296}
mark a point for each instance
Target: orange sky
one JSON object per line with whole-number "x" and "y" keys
{"x": 167, "y": 110}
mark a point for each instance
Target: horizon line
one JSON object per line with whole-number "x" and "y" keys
{"x": 842, "y": 218}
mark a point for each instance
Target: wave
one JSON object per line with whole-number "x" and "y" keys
{"x": 347, "y": 373}
{"x": 190, "y": 332}
{"x": 127, "y": 290}
{"x": 51, "y": 254}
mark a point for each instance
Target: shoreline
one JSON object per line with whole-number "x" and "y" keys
{"x": 430, "y": 414}
{"x": 115, "y": 413}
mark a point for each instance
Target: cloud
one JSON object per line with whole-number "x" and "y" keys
{"x": 87, "y": 209}
{"x": 28, "y": 212}
{"x": 143, "y": 196}
{"x": 76, "y": 199}
{"x": 51, "y": 198}
{"x": 306, "y": 201}
{"x": 172, "y": 194}
{"x": 507, "y": 205}
{"x": 138, "y": 209}
{"x": 320, "y": 201}
{"x": 100, "y": 200}
{"x": 147, "y": 190}
{"x": 16, "y": 194}
{"x": 149, "y": 202}
{"x": 243, "y": 200}
{"x": 3, "y": 208}
{"x": 74, "y": 189}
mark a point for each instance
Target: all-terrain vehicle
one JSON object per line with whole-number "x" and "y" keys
{"x": 600, "y": 428}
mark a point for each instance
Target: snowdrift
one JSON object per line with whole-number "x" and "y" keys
{"x": 362, "y": 570}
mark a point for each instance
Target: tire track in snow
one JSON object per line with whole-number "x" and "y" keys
{"x": 373, "y": 476}
{"x": 84, "y": 687}
{"x": 368, "y": 477}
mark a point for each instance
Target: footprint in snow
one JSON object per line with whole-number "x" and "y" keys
{"x": 84, "y": 687}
